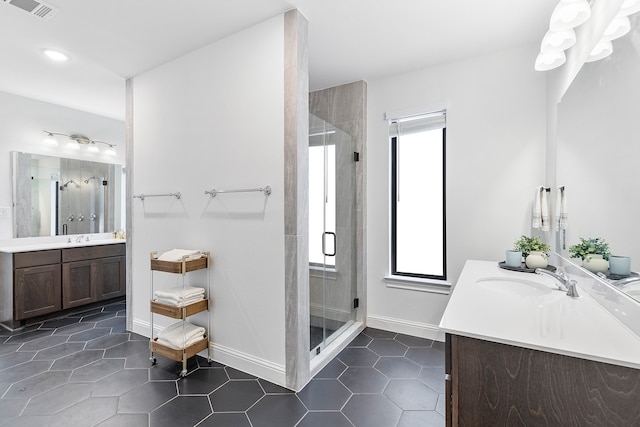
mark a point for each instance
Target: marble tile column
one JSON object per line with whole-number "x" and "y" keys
{"x": 296, "y": 205}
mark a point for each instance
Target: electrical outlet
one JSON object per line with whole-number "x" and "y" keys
{"x": 5, "y": 212}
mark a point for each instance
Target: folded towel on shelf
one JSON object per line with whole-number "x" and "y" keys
{"x": 180, "y": 292}
{"x": 176, "y": 255}
{"x": 181, "y": 334}
{"x": 187, "y": 343}
{"x": 544, "y": 211}
{"x": 180, "y": 303}
{"x": 536, "y": 214}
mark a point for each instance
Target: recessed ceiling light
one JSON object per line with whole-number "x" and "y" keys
{"x": 55, "y": 55}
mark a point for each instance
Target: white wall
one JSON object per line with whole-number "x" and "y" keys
{"x": 496, "y": 111}
{"x": 215, "y": 119}
{"x": 24, "y": 119}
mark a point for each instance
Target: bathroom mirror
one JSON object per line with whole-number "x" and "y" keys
{"x": 598, "y": 136}
{"x": 58, "y": 196}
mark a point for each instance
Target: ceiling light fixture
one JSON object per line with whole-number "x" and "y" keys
{"x": 50, "y": 140}
{"x": 549, "y": 60}
{"x": 76, "y": 141}
{"x": 56, "y": 55}
{"x": 617, "y": 28}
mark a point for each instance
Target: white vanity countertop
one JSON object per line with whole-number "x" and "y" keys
{"x": 30, "y": 244}
{"x": 536, "y": 316}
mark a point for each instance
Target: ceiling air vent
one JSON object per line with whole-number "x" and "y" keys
{"x": 37, "y": 8}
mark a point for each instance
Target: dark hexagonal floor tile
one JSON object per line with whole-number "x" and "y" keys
{"x": 361, "y": 340}
{"x": 8, "y": 348}
{"x": 324, "y": 395}
{"x": 76, "y": 360}
{"x": 379, "y": 333}
{"x": 120, "y": 382}
{"x": 97, "y": 370}
{"x": 226, "y": 420}
{"x": 411, "y": 395}
{"x": 441, "y": 406}
{"x": 73, "y": 328}
{"x": 277, "y": 410}
{"x": 324, "y": 419}
{"x": 22, "y": 372}
{"x": 411, "y": 341}
{"x": 271, "y": 388}
{"x": 12, "y": 359}
{"x": 127, "y": 349}
{"x": 107, "y": 341}
{"x": 43, "y": 343}
{"x": 29, "y": 336}
{"x": 397, "y": 367}
{"x": 427, "y": 357}
{"x": 236, "y": 396}
{"x": 87, "y": 412}
{"x": 147, "y": 397}
{"x": 235, "y": 374}
{"x": 58, "y": 399}
{"x": 438, "y": 345}
{"x": 35, "y": 385}
{"x": 98, "y": 316}
{"x": 388, "y": 348}
{"x": 421, "y": 419}
{"x": 333, "y": 369}
{"x": 357, "y": 356}
{"x": 364, "y": 380}
{"x": 89, "y": 334}
{"x": 58, "y": 323}
{"x": 202, "y": 381}
{"x": 433, "y": 377}
{"x": 181, "y": 412}
{"x": 126, "y": 420}
{"x": 59, "y": 351}
{"x": 11, "y": 407}
{"x": 367, "y": 410}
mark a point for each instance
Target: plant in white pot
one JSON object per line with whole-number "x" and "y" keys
{"x": 594, "y": 253}
{"x": 534, "y": 251}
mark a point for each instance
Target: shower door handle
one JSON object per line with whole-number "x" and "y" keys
{"x": 324, "y": 235}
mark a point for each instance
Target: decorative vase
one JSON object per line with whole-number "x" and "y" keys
{"x": 595, "y": 263}
{"x": 536, "y": 259}
{"x": 513, "y": 259}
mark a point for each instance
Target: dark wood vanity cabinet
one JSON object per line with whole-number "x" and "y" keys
{"x": 492, "y": 384}
{"x": 48, "y": 281}
{"x": 37, "y": 279}
{"x": 91, "y": 274}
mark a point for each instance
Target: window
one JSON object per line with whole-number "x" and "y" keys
{"x": 322, "y": 202}
{"x": 418, "y": 233}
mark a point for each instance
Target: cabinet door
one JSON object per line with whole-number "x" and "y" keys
{"x": 79, "y": 283}
{"x": 37, "y": 291}
{"x": 111, "y": 277}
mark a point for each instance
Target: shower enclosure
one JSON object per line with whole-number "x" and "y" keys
{"x": 332, "y": 232}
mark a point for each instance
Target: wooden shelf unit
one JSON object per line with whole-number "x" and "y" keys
{"x": 180, "y": 312}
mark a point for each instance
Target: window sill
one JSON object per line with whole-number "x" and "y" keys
{"x": 316, "y": 271}
{"x": 415, "y": 284}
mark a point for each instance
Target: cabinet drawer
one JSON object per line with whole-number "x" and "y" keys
{"x": 92, "y": 252}
{"x": 35, "y": 259}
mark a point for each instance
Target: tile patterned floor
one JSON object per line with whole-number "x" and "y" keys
{"x": 87, "y": 370}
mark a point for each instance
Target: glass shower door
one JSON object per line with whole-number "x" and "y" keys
{"x": 331, "y": 233}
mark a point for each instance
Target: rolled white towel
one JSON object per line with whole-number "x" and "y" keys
{"x": 564, "y": 214}
{"x": 176, "y": 255}
{"x": 179, "y": 292}
{"x": 181, "y": 333}
{"x": 187, "y": 343}
{"x": 544, "y": 211}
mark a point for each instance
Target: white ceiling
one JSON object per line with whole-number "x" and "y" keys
{"x": 111, "y": 40}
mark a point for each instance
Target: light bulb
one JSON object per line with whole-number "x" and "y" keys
{"x": 601, "y": 50}
{"x": 110, "y": 151}
{"x": 73, "y": 145}
{"x": 569, "y": 14}
{"x": 629, "y": 7}
{"x": 618, "y": 27}
{"x": 55, "y": 55}
{"x": 558, "y": 40}
{"x": 92, "y": 148}
{"x": 50, "y": 140}
{"x": 549, "y": 60}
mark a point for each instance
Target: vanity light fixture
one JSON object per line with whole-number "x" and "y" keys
{"x": 569, "y": 14}
{"x": 76, "y": 141}
{"x": 629, "y": 7}
{"x": 617, "y": 28}
{"x": 50, "y": 140}
{"x": 55, "y": 55}
{"x": 550, "y": 60}
{"x": 601, "y": 50}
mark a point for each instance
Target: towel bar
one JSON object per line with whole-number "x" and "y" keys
{"x": 266, "y": 190}
{"x": 142, "y": 196}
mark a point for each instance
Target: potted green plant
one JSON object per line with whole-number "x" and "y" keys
{"x": 528, "y": 244}
{"x": 594, "y": 253}
{"x": 534, "y": 251}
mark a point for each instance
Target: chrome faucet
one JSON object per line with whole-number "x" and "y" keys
{"x": 565, "y": 284}
{"x": 623, "y": 283}
{"x": 79, "y": 238}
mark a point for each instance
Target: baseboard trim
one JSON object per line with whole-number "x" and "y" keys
{"x": 416, "y": 329}
{"x": 241, "y": 361}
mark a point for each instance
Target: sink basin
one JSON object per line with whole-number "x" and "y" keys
{"x": 514, "y": 286}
